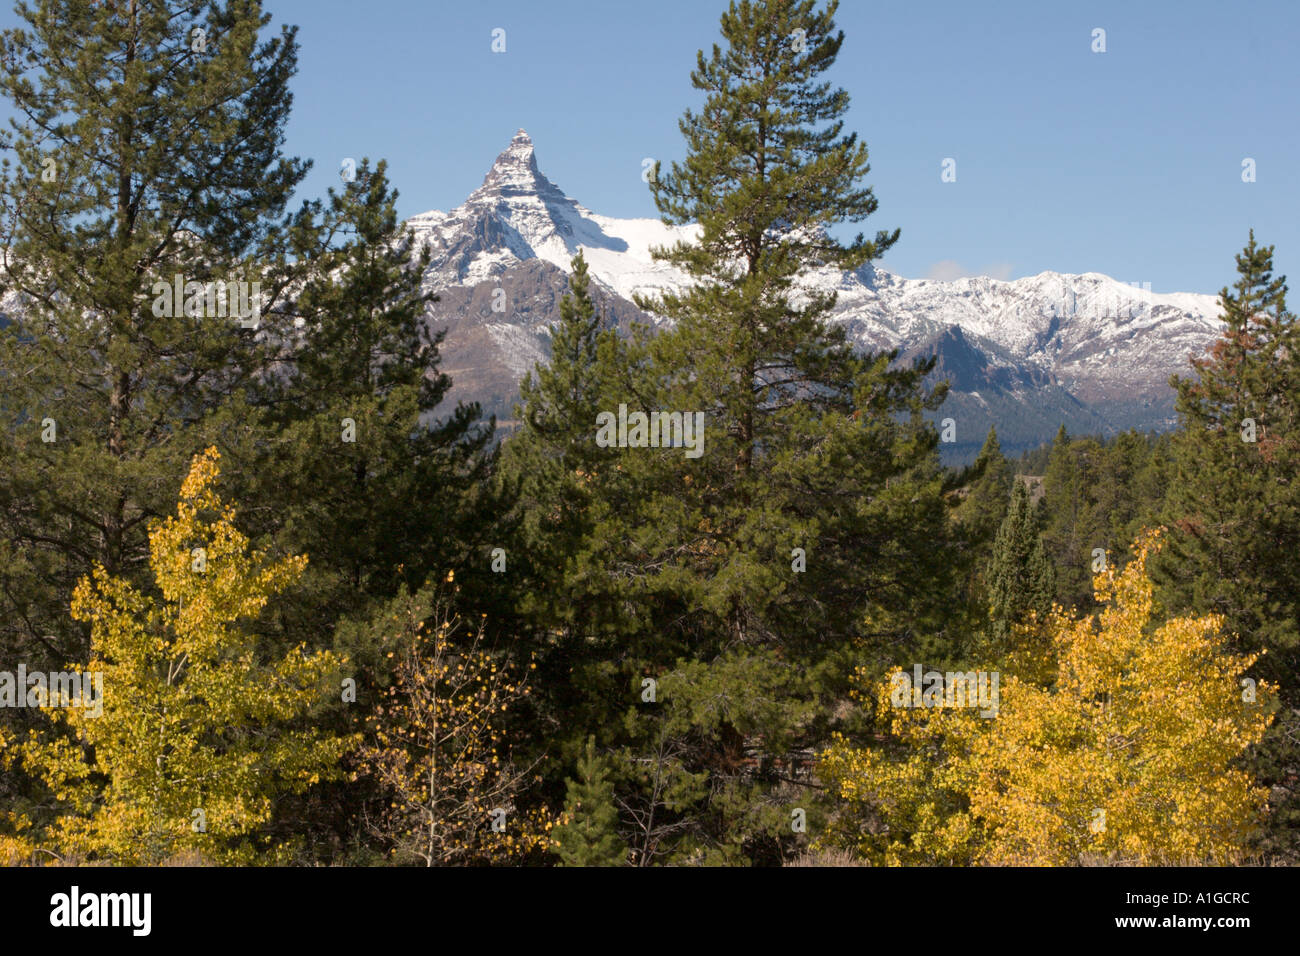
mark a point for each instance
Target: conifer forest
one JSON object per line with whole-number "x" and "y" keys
{"x": 333, "y": 536}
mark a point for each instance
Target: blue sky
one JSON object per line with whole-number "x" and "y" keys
{"x": 1126, "y": 162}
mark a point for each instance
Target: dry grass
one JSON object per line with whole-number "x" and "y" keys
{"x": 826, "y": 858}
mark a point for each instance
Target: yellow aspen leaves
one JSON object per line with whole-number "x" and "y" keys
{"x": 439, "y": 750}
{"x": 194, "y": 727}
{"x": 1127, "y": 754}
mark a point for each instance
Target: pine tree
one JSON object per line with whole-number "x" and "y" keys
{"x": 590, "y": 835}
{"x": 563, "y": 478}
{"x": 362, "y": 468}
{"x": 987, "y": 487}
{"x": 1073, "y": 529}
{"x": 989, "y": 496}
{"x": 808, "y": 445}
{"x": 560, "y": 399}
{"x": 1021, "y": 580}
{"x": 1233, "y": 503}
{"x": 682, "y": 787}
{"x": 1150, "y": 487}
{"x": 572, "y": 499}
{"x": 1120, "y": 510}
{"x": 812, "y": 456}
{"x": 148, "y": 159}
{"x": 361, "y": 472}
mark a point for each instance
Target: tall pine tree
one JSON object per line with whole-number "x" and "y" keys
{"x": 987, "y": 496}
{"x": 148, "y": 161}
{"x": 554, "y": 460}
{"x": 1234, "y": 504}
{"x": 809, "y": 445}
{"x": 358, "y": 467}
{"x": 361, "y": 474}
{"x": 805, "y": 529}
{"x": 1021, "y": 580}
{"x": 572, "y": 497}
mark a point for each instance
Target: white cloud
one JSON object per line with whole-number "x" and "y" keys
{"x": 945, "y": 270}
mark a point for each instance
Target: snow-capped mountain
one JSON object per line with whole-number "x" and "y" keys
{"x": 519, "y": 214}
{"x": 1025, "y": 355}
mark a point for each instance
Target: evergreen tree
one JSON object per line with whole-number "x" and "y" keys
{"x": 560, "y": 400}
{"x": 812, "y": 457}
{"x": 987, "y": 486}
{"x": 708, "y": 774}
{"x": 1151, "y": 485}
{"x": 809, "y": 445}
{"x": 1073, "y": 530}
{"x": 1131, "y": 495}
{"x": 571, "y": 496}
{"x": 989, "y": 496}
{"x": 564, "y": 480}
{"x": 1034, "y": 461}
{"x": 361, "y": 471}
{"x": 361, "y": 474}
{"x": 1234, "y": 507}
{"x": 1021, "y": 580}
{"x": 147, "y": 160}
{"x": 590, "y": 837}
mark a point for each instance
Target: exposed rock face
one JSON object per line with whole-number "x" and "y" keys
{"x": 1026, "y": 355}
{"x": 488, "y": 352}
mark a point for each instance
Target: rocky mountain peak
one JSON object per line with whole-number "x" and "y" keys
{"x": 514, "y": 174}
{"x": 1027, "y": 355}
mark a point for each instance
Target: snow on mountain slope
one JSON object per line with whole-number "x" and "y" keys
{"x": 1089, "y": 330}
{"x": 519, "y": 214}
{"x": 1105, "y": 346}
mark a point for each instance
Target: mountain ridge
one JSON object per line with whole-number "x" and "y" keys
{"x": 1084, "y": 350}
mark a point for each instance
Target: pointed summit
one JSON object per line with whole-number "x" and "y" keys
{"x": 516, "y": 215}
{"x": 515, "y": 173}
{"x": 519, "y": 150}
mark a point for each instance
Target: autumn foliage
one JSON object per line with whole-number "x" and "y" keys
{"x": 198, "y": 735}
{"x": 438, "y": 748}
{"x": 1129, "y": 755}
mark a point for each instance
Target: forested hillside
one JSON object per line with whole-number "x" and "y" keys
{"x": 268, "y": 595}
